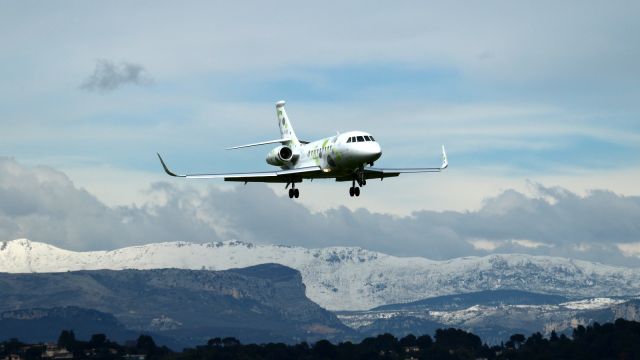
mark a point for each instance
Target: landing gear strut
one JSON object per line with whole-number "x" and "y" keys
{"x": 293, "y": 192}
{"x": 359, "y": 177}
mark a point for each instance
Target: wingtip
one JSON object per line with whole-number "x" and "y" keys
{"x": 166, "y": 169}
{"x": 445, "y": 161}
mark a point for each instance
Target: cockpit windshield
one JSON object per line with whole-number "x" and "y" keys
{"x": 362, "y": 138}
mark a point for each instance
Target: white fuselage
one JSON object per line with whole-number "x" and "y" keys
{"x": 341, "y": 153}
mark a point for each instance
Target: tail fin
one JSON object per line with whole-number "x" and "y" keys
{"x": 286, "y": 130}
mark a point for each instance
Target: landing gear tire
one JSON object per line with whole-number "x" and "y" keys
{"x": 351, "y": 191}
{"x": 291, "y": 193}
{"x": 296, "y": 193}
{"x": 357, "y": 191}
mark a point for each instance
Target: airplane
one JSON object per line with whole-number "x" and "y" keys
{"x": 344, "y": 157}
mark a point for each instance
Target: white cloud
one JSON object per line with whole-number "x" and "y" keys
{"x": 484, "y": 244}
{"x": 43, "y": 204}
{"x": 529, "y": 244}
{"x": 491, "y": 245}
{"x": 582, "y": 247}
{"x": 630, "y": 249}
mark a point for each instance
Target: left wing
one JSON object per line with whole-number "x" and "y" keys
{"x": 282, "y": 176}
{"x": 374, "y": 173}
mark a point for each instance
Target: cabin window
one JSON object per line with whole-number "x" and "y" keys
{"x": 360, "y": 139}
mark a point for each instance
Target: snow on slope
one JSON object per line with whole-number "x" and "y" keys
{"x": 592, "y": 304}
{"x": 344, "y": 278}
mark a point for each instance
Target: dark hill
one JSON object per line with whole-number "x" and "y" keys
{"x": 488, "y": 298}
{"x": 257, "y": 304}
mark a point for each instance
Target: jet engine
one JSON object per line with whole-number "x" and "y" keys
{"x": 281, "y": 155}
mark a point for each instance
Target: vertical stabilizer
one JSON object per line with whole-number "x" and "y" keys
{"x": 286, "y": 130}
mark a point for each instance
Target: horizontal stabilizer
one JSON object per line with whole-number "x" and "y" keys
{"x": 281, "y": 141}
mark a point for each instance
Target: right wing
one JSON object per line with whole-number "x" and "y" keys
{"x": 374, "y": 173}
{"x": 282, "y": 176}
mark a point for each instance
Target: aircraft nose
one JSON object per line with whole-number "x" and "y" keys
{"x": 370, "y": 152}
{"x": 376, "y": 151}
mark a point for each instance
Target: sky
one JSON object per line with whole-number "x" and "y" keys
{"x": 536, "y": 103}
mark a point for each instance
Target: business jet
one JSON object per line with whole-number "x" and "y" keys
{"x": 345, "y": 157}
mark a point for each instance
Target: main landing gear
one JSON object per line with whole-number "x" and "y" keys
{"x": 354, "y": 191}
{"x": 359, "y": 177}
{"x": 293, "y": 192}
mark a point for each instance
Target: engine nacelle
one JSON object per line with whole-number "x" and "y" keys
{"x": 281, "y": 155}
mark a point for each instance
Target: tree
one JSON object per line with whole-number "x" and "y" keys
{"x": 517, "y": 340}
{"x": 325, "y": 349}
{"x": 67, "y": 339}
{"x": 12, "y": 345}
{"x": 230, "y": 341}
{"x": 146, "y": 345}
{"x": 409, "y": 340}
{"x": 424, "y": 342}
{"x": 215, "y": 342}
{"x": 455, "y": 338}
{"x": 386, "y": 342}
{"x": 34, "y": 353}
{"x": 98, "y": 340}
{"x": 579, "y": 332}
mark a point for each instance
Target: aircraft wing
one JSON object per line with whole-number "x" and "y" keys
{"x": 281, "y": 176}
{"x": 375, "y": 173}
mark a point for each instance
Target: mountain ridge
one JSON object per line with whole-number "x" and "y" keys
{"x": 263, "y": 303}
{"x": 345, "y": 278}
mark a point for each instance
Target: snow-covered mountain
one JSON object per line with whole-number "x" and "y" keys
{"x": 345, "y": 278}
{"x": 493, "y": 320}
